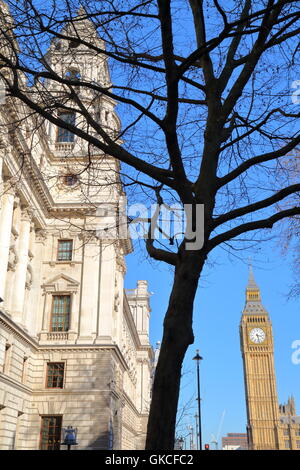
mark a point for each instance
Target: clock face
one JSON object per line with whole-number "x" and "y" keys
{"x": 257, "y": 335}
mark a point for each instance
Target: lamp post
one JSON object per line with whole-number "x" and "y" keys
{"x": 198, "y": 358}
{"x": 70, "y": 435}
{"x": 197, "y": 430}
{"x": 181, "y": 443}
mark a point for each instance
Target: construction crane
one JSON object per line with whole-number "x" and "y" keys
{"x": 215, "y": 439}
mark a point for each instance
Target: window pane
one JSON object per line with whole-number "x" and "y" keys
{"x": 70, "y": 180}
{"x": 73, "y": 74}
{"x": 55, "y": 375}
{"x": 60, "y": 313}
{"x": 65, "y": 248}
{"x": 50, "y": 432}
{"x": 64, "y": 135}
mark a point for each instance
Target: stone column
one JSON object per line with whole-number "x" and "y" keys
{"x": 6, "y": 214}
{"x": 73, "y": 330}
{"x": 89, "y": 298}
{"x": 107, "y": 293}
{"x": 21, "y": 269}
{"x": 1, "y": 179}
{"x": 47, "y": 305}
{"x": 37, "y": 314}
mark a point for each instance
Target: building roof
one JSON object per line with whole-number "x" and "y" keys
{"x": 253, "y": 298}
{"x": 251, "y": 281}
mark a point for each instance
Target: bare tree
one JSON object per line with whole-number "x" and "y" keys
{"x": 203, "y": 90}
{"x": 295, "y": 290}
{"x": 289, "y": 233}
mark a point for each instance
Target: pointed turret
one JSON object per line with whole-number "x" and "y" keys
{"x": 253, "y": 298}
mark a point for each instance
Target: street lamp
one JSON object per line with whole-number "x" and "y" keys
{"x": 198, "y": 358}
{"x": 181, "y": 443}
{"x": 70, "y": 435}
{"x": 197, "y": 430}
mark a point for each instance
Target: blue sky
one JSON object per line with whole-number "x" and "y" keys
{"x": 218, "y": 306}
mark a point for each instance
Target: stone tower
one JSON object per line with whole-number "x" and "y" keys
{"x": 264, "y": 431}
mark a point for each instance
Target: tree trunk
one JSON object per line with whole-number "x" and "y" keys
{"x": 178, "y": 335}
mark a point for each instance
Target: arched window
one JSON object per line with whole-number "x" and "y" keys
{"x": 74, "y": 44}
{"x": 73, "y": 74}
{"x": 70, "y": 180}
{"x": 65, "y": 135}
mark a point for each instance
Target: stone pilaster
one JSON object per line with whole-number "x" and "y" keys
{"x": 1, "y": 178}
{"x": 107, "y": 293}
{"x": 21, "y": 269}
{"x": 36, "y": 321}
{"x": 89, "y": 297}
{"x": 6, "y": 214}
{"x": 29, "y": 301}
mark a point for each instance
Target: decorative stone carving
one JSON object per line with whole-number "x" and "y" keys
{"x": 10, "y": 186}
{"x": 40, "y": 235}
{"x": 61, "y": 283}
{"x": 29, "y": 276}
{"x": 117, "y": 301}
{"x": 27, "y": 214}
{"x": 16, "y": 200}
{"x": 121, "y": 265}
{"x": 68, "y": 180}
{"x": 88, "y": 237}
{"x": 12, "y": 258}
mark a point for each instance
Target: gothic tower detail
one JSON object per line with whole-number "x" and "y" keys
{"x": 263, "y": 420}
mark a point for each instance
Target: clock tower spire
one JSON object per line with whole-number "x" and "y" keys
{"x": 263, "y": 421}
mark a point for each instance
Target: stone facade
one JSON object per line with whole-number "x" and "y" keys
{"x": 51, "y": 201}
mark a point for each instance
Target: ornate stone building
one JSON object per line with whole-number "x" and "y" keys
{"x": 74, "y": 346}
{"x": 270, "y": 426}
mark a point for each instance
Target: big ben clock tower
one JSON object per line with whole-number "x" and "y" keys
{"x": 264, "y": 432}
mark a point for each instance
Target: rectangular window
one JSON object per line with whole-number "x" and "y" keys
{"x": 298, "y": 444}
{"x": 50, "y": 432}
{"x": 55, "y": 375}
{"x": 65, "y": 135}
{"x": 287, "y": 444}
{"x": 60, "y": 318}
{"x": 64, "y": 250}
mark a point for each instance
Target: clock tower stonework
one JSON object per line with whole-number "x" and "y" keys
{"x": 263, "y": 418}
